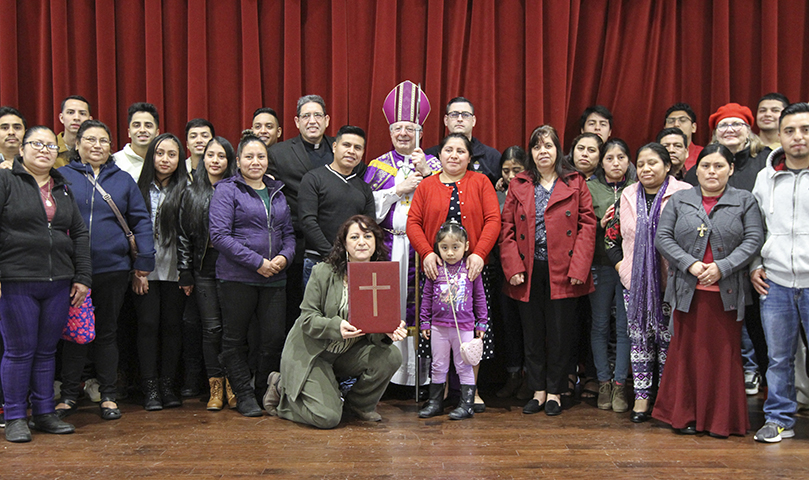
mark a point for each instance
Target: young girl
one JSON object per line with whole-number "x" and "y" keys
{"x": 452, "y": 290}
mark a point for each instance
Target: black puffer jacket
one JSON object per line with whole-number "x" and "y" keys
{"x": 31, "y": 248}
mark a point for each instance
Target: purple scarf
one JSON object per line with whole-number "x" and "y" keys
{"x": 645, "y": 303}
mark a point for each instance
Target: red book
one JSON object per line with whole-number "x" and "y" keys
{"x": 373, "y": 296}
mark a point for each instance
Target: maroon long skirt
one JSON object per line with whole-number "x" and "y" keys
{"x": 703, "y": 382}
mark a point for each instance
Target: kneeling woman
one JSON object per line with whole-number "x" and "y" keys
{"x": 322, "y": 344}
{"x": 708, "y": 234}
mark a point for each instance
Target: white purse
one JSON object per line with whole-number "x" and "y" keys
{"x": 471, "y": 351}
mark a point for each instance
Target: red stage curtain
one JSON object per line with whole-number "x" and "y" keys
{"x": 522, "y": 63}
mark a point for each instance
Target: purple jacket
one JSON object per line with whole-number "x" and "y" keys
{"x": 244, "y": 235}
{"x": 469, "y": 300}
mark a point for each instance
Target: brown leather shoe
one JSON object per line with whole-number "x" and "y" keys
{"x": 230, "y": 395}
{"x": 371, "y": 416}
{"x": 217, "y": 393}
{"x": 273, "y": 396}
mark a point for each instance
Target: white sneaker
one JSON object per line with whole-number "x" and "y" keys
{"x": 752, "y": 381}
{"x": 91, "y": 390}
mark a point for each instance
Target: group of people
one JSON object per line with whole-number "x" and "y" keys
{"x": 235, "y": 260}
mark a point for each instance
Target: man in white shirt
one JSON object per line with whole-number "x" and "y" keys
{"x": 144, "y": 126}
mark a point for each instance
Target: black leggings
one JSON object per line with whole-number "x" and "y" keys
{"x": 160, "y": 318}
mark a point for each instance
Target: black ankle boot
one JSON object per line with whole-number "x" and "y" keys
{"x": 238, "y": 373}
{"x": 151, "y": 395}
{"x": 512, "y": 385}
{"x": 170, "y": 400}
{"x": 247, "y": 405}
{"x": 466, "y": 405}
{"x": 192, "y": 383}
{"x": 435, "y": 404}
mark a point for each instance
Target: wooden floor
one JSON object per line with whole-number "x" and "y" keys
{"x": 191, "y": 442}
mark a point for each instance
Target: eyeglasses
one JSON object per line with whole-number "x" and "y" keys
{"x": 464, "y": 115}
{"x": 306, "y": 116}
{"x": 677, "y": 120}
{"x": 724, "y": 127}
{"x": 104, "y": 142}
{"x": 407, "y": 128}
{"x": 38, "y": 146}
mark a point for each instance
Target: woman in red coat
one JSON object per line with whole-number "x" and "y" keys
{"x": 546, "y": 248}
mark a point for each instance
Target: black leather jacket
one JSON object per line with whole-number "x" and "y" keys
{"x": 191, "y": 246}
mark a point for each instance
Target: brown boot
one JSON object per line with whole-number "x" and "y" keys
{"x": 217, "y": 393}
{"x": 605, "y": 395}
{"x": 619, "y": 402}
{"x": 230, "y": 395}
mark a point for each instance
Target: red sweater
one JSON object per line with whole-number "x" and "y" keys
{"x": 480, "y": 213}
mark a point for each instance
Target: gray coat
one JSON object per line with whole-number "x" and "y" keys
{"x": 734, "y": 228}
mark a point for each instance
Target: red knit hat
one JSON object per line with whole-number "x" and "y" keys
{"x": 730, "y": 110}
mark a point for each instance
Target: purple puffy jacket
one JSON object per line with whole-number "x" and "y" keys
{"x": 244, "y": 234}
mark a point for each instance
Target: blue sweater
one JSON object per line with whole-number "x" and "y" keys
{"x": 109, "y": 247}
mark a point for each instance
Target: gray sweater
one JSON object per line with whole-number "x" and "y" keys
{"x": 735, "y": 232}
{"x": 783, "y": 197}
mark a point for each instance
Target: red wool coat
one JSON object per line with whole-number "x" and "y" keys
{"x": 570, "y": 224}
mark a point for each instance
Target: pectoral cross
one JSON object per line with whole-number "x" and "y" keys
{"x": 374, "y": 287}
{"x": 702, "y": 229}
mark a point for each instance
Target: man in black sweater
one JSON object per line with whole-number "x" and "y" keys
{"x": 330, "y": 195}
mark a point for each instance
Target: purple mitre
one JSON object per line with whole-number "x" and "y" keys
{"x": 402, "y": 104}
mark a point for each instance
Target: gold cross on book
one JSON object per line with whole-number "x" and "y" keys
{"x": 374, "y": 288}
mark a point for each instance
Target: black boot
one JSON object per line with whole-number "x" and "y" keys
{"x": 435, "y": 404}
{"x": 192, "y": 383}
{"x": 512, "y": 385}
{"x": 170, "y": 400}
{"x": 238, "y": 373}
{"x": 466, "y": 405}
{"x": 151, "y": 395}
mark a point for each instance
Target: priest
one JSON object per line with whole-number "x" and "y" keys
{"x": 393, "y": 177}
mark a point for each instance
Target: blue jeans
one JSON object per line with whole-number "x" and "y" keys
{"x": 748, "y": 351}
{"x": 608, "y": 293}
{"x": 782, "y": 309}
{"x": 308, "y": 264}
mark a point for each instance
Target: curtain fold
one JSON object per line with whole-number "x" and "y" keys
{"x": 521, "y": 62}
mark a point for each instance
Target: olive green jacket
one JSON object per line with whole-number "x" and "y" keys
{"x": 604, "y": 195}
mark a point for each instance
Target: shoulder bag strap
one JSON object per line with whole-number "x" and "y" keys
{"x": 108, "y": 198}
